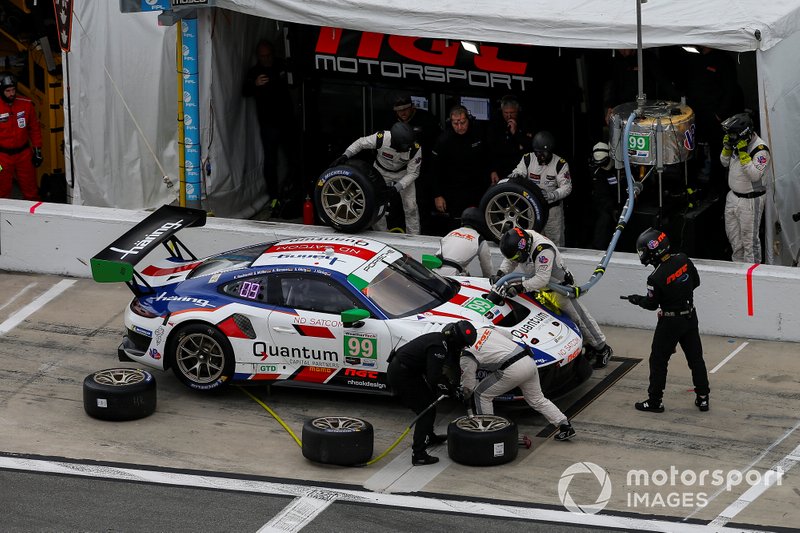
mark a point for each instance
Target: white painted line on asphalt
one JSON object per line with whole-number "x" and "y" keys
{"x": 748, "y": 467}
{"x": 301, "y": 512}
{"x": 730, "y": 356}
{"x": 413, "y": 503}
{"x": 51, "y": 293}
{"x": 20, "y": 293}
{"x": 769, "y": 479}
{"x": 400, "y": 476}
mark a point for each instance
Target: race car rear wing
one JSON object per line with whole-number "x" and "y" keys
{"x": 115, "y": 263}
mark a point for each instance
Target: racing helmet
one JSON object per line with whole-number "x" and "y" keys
{"x": 402, "y": 137}
{"x": 7, "y": 81}
{"x": 515, "y": 244}
{"x": 738, "y": 127}
{"x": 460, "y": 334}
{"x": 471, "y": 217}
{"x": 651, "y": 246}
{"x": 601, "y": 156}
{"x": 543, "y": 145}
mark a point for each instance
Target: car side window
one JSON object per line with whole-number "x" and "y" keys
{"x": 253, "y": 289}
{"x": 317, "y": 294}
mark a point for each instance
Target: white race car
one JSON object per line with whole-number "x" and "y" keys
{"x": 318, "y": 311}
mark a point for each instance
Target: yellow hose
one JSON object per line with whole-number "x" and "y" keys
{"x": 274, "y": 415}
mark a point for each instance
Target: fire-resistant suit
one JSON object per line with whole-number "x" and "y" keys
{"x": 747, "y": 165}
{"x": 545, "y": 264}
{"x": 457, "y": 250}
{"x": 555, "y": 182}
{"x": 399, "y": 170}
{"x": 19, "y": 133}
{"x": 671, "y": 287}
{"x": 510, "y": 365}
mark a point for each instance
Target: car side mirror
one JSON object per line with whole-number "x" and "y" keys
{"x": 353, "y": 318}
{"x": 431, "y": 261}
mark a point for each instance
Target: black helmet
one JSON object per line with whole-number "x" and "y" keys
{"x": 460, "y": 334}
{"x": 402, "y": 137}
{"x": 7, "y": 80}
{"x": 514, "y": 243}
{"x": 737, "y": 127}
{"x": 543, "y": 145}
{"x": 651, "y": 246}
{"x": 472, "y": 218}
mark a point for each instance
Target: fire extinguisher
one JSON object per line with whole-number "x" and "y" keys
{"x": 308, "y": 211}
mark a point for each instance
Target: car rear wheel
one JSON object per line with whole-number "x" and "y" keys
{"x": 482, "y": 440}
{"x": 119, "y": 394}
{"x": 338, "y": 440}
{"x": 201, "y": 357}
{"x": 349, "y": 197}
{"x": 513, "y": 202}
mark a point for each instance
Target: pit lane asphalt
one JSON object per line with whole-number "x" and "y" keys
{"x": 753, "y": 423}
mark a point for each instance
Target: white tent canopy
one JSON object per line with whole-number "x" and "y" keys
{"x": 729, "y": 24}
{"x": 771, "y": 29}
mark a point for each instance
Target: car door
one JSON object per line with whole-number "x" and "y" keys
{"x": 309, "y": 337}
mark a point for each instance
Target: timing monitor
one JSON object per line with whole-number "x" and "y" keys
{"x": 477, "y": 107}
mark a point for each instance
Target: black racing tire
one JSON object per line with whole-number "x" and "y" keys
{"x": 513, "y": 202}
{"x": 201, "y": 357}
{"x": 119, "y": 394}
{"x": 338, "y": 440}
{"x": 482, "y": 440}
{"x": 350, "y": 197}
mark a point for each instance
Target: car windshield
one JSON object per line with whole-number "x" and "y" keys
{"x": 406, "y": 287}
{"x": 240, "y": 258}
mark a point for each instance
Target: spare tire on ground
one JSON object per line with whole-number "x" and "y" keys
{"x": 482, "y": 440}
{"x": 119, "y": 394}
{"x": 513, "y": 202}
{"x": 338, "y": 440}
{"x": 351, "y": 197}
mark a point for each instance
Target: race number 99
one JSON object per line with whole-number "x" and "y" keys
{"x": 360, "y": 347}
{"x": 639, "y": 143}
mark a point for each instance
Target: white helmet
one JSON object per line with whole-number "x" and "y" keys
{"x": 601, "y": 156}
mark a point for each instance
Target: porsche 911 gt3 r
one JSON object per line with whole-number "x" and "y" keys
{"x": 319, "y": 311}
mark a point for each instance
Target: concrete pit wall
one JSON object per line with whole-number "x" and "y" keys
{"x": 60, "y": 240}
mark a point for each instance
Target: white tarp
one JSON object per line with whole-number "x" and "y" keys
{"x": 125, "y": 129}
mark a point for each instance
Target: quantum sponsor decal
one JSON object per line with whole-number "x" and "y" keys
{"x": 297, "y": 355}
{"x": 143, "y": 243}
{"x": 529, "y": 325}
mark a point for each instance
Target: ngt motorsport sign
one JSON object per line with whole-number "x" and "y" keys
{"x": 411, "y": 60}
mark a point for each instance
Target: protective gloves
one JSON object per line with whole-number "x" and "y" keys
{"x": 727, "y": 149}
{"x": 493, "y": 279}
{"x": 513, "y": 290}
{"x": 398, "y": 186}
{"x": 339, "y": 161}
{"x": 635, "y": 299}
{"x": 37, "y": 158}
{"x": 741, "y": 149}
{"x": 444, "y": 389}
{"x": 549, "y": 196}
